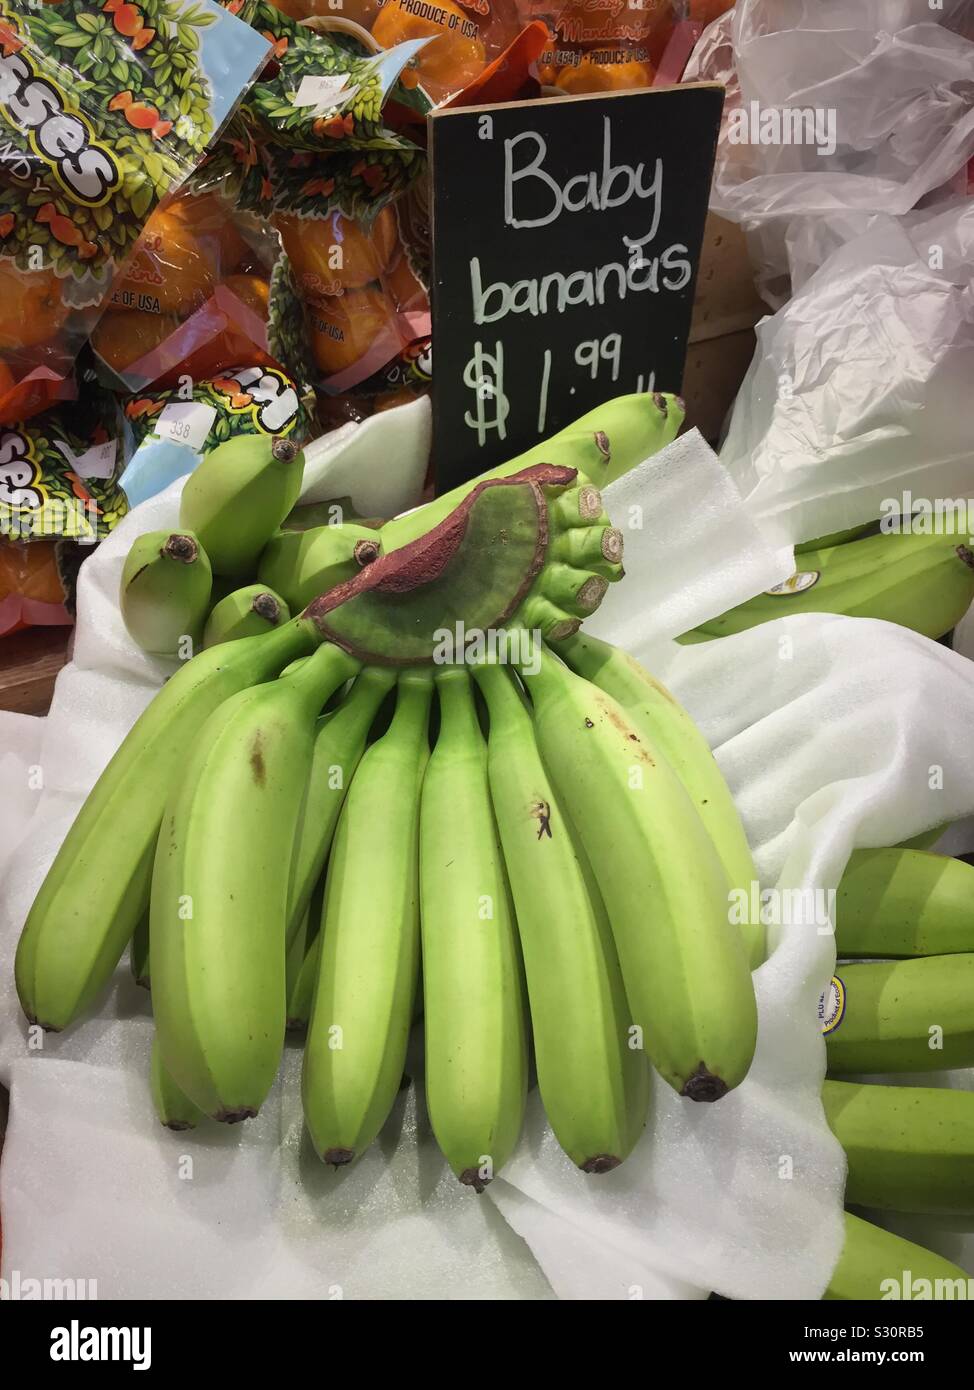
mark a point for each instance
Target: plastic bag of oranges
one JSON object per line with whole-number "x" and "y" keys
{"x": 194, "y": 298}
{"x": 599, "y": 47}
{"x": 464, "y": 37}
{"x": 461, "y": 36}
{"x": 105, "y": 106}
{"x": 32, "y": 593}
{"x": 362, "y": 285}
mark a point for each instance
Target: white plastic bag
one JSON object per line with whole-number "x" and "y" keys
{"x": 860, "y": 387}
{"x": 891, "y": 83}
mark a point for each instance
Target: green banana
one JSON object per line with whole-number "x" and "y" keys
{"x": 301, "y": 997}
{"x": 174, "y": 1110}
{"x": 909, "y": 1148}
{"x": 926, "y": 838}
{"x": 303, "y": 564}
{"x": 339, "y": 744}
{"x": 97, "y": 889}
{"x": 369, "y": 956}
{"x": 904, "y": 902}
{"x": 238, "y": 496}
{"x": 663, "y": 884}
{"x": 595, "y": 1087}
{"x": 164, "y": 595}
{"x": 245, "y": 613}
{"x": 922, "y": 582}
{"x": 904, "y": 1015}
{"x": 653, "y": 709}
{"x": 139, "y": 953}
{"x": 473, "y": 991}
{"x": 603, "y": 445}
{"x": 876, "y": 1265}
{"x": 220, "y": 889}
{"x": 853, "y": 533}
{"x": 296, "y": 951}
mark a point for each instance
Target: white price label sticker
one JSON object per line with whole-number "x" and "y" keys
{"x": 97, "y": 462}
{"x": 186, "y": 422}
{"x": 323, "y": 91}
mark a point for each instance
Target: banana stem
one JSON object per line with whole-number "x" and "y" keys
{"x": 458, "y": 712}
{"x": 322, "y": 673}
{"x": 603, "y": 445}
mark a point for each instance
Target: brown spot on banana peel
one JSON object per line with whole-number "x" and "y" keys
{"x": 704, "y": 1085}
{"x": 964, "y": 554}
{"x": 257, "y": 765}
{"x": 234, "y": 1117}
{"x": 541, "y": 812}
{"x": 177, "y": 1126}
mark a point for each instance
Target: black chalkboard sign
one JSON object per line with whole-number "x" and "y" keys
{"x": 566, "y": 235}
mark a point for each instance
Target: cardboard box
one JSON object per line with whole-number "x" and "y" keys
{"x": 725, "y": 310}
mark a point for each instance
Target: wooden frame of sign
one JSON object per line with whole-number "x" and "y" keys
{"x": 566, "y": 236}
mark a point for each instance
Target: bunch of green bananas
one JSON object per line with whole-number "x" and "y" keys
{"x": 921, "y": 581}
{"x": 906, "y": 1005}
{"x": 287, "y": 838}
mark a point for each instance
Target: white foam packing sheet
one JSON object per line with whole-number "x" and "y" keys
{"x": 825, "y": 728}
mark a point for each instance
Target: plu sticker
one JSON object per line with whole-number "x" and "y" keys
{"x": 831, "y": 1006}
{"x": 796, "y": 584}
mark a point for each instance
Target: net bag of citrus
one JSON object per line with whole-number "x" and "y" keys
{"x": 599, "y": 47}
{"x": 199, "y": 277}
{"x": 168, "y": 432}
{"x": 104, "y": 108}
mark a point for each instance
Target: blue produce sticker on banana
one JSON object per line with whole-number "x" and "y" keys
{"x": 831, "y": 1005}
{"x": 795, "y": 584}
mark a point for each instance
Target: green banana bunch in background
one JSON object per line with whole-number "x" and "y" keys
{"x": 924, "y": 582}
{"x": 902, "y": 902}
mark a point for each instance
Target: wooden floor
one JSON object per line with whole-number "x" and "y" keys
{"x": 29, "y": 663}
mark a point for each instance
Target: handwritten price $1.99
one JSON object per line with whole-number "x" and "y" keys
{"x": 484, "y": 374}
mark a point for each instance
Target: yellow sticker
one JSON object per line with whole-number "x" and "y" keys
{"x": 831, "y": 1005}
